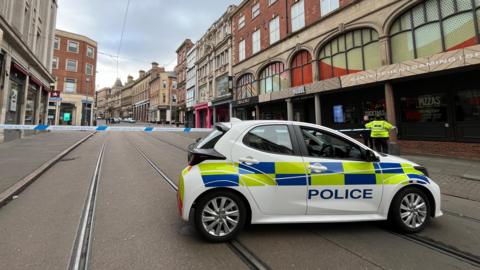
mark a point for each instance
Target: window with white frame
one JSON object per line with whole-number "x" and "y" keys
{"x": 73, "y": 46}
{"x": 274, "y": 27}
{"x": 256, "y": 41}
{"x": 89, "y": 69}
{"x": 55, "y": 63}
{"x": 256, "y": 10}
{"x": 327, "y": 6}
{"x": 71, "y": 65}
{"x": 271, "y": 2}
{"x": 241, "y": 50}
{"x": 70, "y": 85}
{"x": 241, "y": 22}
{"x": 56, "y": 43}
{"x": 90, "y": 52}
{"x": 298, "y": 16}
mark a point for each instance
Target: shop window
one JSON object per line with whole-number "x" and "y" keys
{"x": 423, "y": 30}
{"x": 344, "y": 114}
{"x": 273, "y": 78}
{"x": 424, "y": 108}
{"x": 349, "y": 53}
{"x": 301, "y": 69}
{"x": 245, "y": 87}
{"x": 468, "y": 105}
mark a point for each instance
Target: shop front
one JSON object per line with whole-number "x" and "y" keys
{"x": 351, "y": 109}
{"x": 439, "y": 108}
{"x": 245, "y": 108}
{"x": 222, "y": 109}
{"x": 203, "y": 115}
{"x": 273, "y": 110}
{"x": 190, "y": 118}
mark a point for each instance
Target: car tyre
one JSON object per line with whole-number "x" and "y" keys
{"x": 220, "y": 216}
{"x": 410, "y": 210}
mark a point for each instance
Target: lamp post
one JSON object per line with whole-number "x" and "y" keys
{"x": 86, "y": 102}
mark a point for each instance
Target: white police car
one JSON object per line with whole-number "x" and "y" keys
{"x": 290, "y": 172}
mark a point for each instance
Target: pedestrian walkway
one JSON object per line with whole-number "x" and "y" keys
{"x": 457, "y": 177}
{"x": 20, "y": 157}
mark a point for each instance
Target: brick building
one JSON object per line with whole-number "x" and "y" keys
{"x": 181, "y": 73}
{"x": 74, "y": 64}
{"x": 26, "y": 44}
{"x": 339, "y": 63}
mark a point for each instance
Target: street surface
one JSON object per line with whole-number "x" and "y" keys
{"x": 136, "y": 223}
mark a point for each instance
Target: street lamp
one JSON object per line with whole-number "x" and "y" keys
{"x": 86, "y": 102}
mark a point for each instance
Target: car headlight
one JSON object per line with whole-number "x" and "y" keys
{"x": 423, "y": 170}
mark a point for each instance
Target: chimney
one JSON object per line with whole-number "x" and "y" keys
{"x": 129, "y": 79}
{"x": 141, "y": 73}
{"x": 154, "y": 65}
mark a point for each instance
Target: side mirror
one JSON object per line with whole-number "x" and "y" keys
{"x": 370, "y": 156}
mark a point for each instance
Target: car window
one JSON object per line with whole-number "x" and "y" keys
{"x": 212, "y": 139}
{"x": 326, "y": 145}
{"x": 273, "y": 139}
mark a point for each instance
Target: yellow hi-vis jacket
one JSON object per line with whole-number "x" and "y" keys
{"x": 379, "y": 128}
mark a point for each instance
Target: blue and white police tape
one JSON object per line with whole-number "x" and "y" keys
{"x": 103, "y": 128}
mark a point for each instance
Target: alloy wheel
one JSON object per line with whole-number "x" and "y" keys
{"x": 220, "y": 216}
{"x": 413, "y": 210}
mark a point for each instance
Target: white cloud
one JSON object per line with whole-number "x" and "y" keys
{"x": 154, "y": 30}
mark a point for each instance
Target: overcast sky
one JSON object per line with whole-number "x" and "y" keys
{"x": 154, "y": 30}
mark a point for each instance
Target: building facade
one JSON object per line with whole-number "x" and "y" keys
{"x": 126, "y": 99}
{"x": 140, "y": 97}
{"x": 190, "y": 99}
{"x": 162, "y": 97}
{"x": 101, "y": 102}
{"x": 214, "y": 70}
{"x": 115, "y": 100}
{"x": 74, "y": 67}
{"x": 341, "y": 63}
{"x": 26, "y": 42}
{"x": 181, "y": 73}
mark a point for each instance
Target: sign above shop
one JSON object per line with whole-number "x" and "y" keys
{"x": 298, "y": 90}
{"x": 246, "y": 101}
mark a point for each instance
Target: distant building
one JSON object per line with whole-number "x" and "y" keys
{"x": 74, "y": 66}
{"x": 126, "y": 100}
{"x": 141, "y": 92}
{"x": 115, "y": 100}
{"x": 163, "y": 97}
{"x": 26, "y": 41}
{"x": 181, "y": 72}
{"x": 190, "y": 99}
{"x": 101, "y": 101}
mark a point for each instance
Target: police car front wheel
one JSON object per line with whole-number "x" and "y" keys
{"x": 220, "y": 215}
{"x": 410, "y": 210}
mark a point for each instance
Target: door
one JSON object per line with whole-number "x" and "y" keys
{"x": 272, "y": 169}
{"x": 341, "y": 182}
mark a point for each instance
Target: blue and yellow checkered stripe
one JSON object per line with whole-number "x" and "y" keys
{"x": 293, "y": 174}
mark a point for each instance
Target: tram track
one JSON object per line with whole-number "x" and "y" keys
{"x": 445, "y": 249}
{"x": 80, "y": 257}
{"x": 250, "y": 259}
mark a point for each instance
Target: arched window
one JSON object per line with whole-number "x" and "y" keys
{"x": 273, "y": 78}
{"x": 348, "y": 53}
{"x": 245, "y": 87}
{"x": 301, "y": 70}
{"x": 434, "y": 26}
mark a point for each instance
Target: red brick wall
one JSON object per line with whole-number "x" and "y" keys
{"x": 82, "y": 60}
{"x": 450, "y": 149}
{"x": 280, "y": 8}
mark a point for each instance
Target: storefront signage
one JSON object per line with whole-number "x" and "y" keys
{"x": 438, "y": 62}
{"x": 246, "y": 101}
{"x": 298, "y": 90}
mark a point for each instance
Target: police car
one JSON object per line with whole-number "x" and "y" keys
{"x": 263, "y": 172}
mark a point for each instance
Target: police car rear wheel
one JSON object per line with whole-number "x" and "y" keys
{"x": 410, "y": 210}
{"x": 219, "y": 216}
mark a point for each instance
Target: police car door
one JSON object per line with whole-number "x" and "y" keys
{"x": 272, "y": 169}
{"x": 341, "y": 181}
